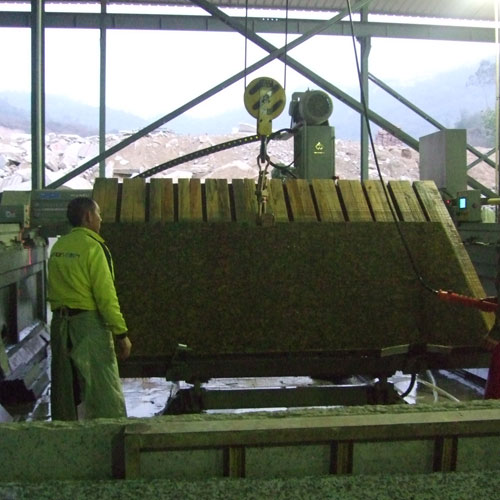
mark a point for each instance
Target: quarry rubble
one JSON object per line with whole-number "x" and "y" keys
{"x": 64, "y": 152}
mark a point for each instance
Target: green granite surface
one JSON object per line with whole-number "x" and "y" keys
{"x": 39, "y": 452}
{"x": 55, "y": 450}
{"x": 451, "y": 486}
{"x": 230, "y": 288}
{"x": 110, "y": 425}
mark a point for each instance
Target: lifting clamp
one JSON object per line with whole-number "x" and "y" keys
{"x": 261, "y": 191}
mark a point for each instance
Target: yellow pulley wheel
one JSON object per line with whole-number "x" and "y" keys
{"x": 264, "y": 99}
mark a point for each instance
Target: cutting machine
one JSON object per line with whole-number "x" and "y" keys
{"x": 23, "y": 333}
{"x": 308, "y": 276}
{"x": 326, "y": 291}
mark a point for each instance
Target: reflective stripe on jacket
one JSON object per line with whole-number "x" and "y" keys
{"x": 81, "y": 277}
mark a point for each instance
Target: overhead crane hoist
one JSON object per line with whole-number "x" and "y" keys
{"x": 265, "y": 100}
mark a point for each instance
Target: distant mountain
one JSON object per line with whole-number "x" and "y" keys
{"x": 11, "y": 116}
{"x": 63, "y": 115}
{"x": 445, "y": 97}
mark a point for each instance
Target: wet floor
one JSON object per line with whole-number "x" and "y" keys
{"x": 147, "y": 397}
{"x": 441, "y": 385}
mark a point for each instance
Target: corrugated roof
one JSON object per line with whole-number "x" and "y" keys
{"x": 479, "y": 10}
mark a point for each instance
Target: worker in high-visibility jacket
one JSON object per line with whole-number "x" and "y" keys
{"x": 88, "y": 330}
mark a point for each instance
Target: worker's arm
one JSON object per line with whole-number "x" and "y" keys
{"x": 103, "y": 290}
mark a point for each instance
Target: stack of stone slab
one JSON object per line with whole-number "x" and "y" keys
{"x": 330, "y": 275}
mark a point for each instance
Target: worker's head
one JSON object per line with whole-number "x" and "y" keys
{"x": 84, "y": 212}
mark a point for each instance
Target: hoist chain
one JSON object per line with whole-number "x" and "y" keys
{"x": 261, "y": 191}
{"x": 198, "y": 154}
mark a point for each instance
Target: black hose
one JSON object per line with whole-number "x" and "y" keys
{"x": 372, "y": 144}
{"x": 410, "y": 387}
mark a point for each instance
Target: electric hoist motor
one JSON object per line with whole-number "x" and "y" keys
{"x": 314, "y": 139}
{"x": 312, "y": 107}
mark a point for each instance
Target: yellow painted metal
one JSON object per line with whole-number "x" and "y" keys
{"x": 265, "y": 100}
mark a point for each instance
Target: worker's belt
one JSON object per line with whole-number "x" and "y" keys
{"x": 67, "y": 311}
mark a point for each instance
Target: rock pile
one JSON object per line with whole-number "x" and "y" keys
{"x": 65, "y": 152}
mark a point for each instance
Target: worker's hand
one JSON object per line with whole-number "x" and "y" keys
{"x": 123, "y": 348}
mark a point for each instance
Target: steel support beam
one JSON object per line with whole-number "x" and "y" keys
{"x": 342, "y": 96}
{"x": 37, "y": 94}
{"x": 273, "y": 54}
{"x": 475, "y": 184}
{"x": 479, "y": 160}
{"x": 167, "y": 22}
{"x": 102, "y": 90}
{"x": 300, "y": 68}
{"x": 365, "y": 45}
{"x": 148, "y": 129}
{"x": 426, "y": 117}
{"x": 170, "y": 116}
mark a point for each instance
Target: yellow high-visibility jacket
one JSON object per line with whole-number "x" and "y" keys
{"x": 81, "y": 276}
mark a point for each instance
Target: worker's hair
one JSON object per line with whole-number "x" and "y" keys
{"x": 77, "y": 208}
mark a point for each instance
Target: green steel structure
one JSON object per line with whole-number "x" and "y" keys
{"x": 38, "y": 19}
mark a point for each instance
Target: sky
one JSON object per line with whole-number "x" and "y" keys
{"x": 152, "y": 73}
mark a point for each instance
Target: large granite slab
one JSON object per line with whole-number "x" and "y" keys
{"x": 231, "y": 288}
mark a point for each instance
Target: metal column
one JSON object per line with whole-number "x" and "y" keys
{"x": 365, "y": 44}
{"x": 37, "y": 94}
{"x": 102, "y": 92}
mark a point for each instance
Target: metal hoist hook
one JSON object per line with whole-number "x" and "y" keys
{"x": 261, "y": 191}
{"x": 264, "y": 99}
